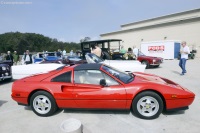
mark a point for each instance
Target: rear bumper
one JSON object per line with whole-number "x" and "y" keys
{"x": 20, "y": 100}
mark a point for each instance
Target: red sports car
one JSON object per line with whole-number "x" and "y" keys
{"x": 98, "y": 86}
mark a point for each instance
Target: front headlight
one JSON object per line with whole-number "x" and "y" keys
{"x": 154, "y": 60}
{"x": 4, "y": 68}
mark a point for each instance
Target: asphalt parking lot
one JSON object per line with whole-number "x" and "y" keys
{"x": 20, "y": 119}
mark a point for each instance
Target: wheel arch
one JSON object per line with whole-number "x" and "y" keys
{"x": 36, "y": 90}
{"x": 152, "y": 90}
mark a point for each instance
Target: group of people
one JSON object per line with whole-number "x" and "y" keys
{"x": 60, "y": 53}
{"x": 14, "y": 57}
{"x": 131, "y": 53}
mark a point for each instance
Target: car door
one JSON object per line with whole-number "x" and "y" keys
{"x": 63, "y": 90}
{"x": 88, "y": 93}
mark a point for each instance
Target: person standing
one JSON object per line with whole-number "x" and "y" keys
{"x": 96, "y": 50}
{"x": 59, "y": 53}
{"x": 122, "y": 50}
{"x": 135, "y": 52}
{"x": 184, "y": 56}
{"x": 15, "y": 58}
{"x": 9, "y": 57}
{"x": 28, "y": 58}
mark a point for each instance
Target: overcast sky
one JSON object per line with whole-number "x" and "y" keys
{"x": 72, "y": 20}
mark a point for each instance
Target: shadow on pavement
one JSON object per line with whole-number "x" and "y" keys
{"x": 176, "y": 72}
{"x": 96, "y": 111}
{"x": 180, "y": 112}
{"x": 6, "y": 81}
{"x": 2, "y": 102}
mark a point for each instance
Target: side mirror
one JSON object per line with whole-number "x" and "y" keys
{"x": 103, "y": 82}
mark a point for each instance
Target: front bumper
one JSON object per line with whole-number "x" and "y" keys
{"x": 155, "y": 63}
{"x": 5, "y": 77}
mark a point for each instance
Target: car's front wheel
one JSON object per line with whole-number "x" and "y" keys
{"x": 145, "y": 63}
{"x": 43, "y": 103}
{"x": 147, "y": 105}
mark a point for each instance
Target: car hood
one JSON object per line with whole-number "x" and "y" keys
{"x": 154, "y": 78}
{"x": 151, "y": 57}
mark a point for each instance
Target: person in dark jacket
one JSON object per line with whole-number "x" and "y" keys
{"x": 28, "y": 58}
{"x": 9, "y": 57}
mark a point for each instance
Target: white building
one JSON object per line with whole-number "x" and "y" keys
{"x": 183, "y": 26}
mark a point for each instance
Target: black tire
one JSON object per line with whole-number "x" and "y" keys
{"x": 46, "y": 99}
{"x": 156, "y": 66}
{"x": 147, "y": 105}
{"x": 9, "y": 80}
{"x": 145, "y": 63}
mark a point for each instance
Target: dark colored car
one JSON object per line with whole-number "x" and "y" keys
{"x": 108, "y": 47}
{"x": 5, "y": 70}
{"x": 69, "y": 60}
{"x": 149, "y": 61}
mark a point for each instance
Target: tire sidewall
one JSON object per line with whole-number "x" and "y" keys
{"x": 145, "y": 63}
{"x": 151, "y": 94}
{"x": 51, "y": 99}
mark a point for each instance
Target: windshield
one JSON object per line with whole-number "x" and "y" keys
{"x": 124, "y": 77}
{"x": 141, "y": 54}
{"x": 92, "y": 58}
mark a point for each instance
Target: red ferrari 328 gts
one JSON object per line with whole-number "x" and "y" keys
{"x": 98, "y": 86}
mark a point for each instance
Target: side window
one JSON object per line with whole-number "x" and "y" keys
{"x": 92, "y": 77}
{"x": 110, "y": 81}
{"x": 65, "y": 77}
{"x": 88, "y": 77}
{"x": 86, "y": 46}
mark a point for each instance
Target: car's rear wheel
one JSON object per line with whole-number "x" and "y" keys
{"x": 147, "y": 105}
{"x": 43, "y": 103}
{"x": 145, "y": 63}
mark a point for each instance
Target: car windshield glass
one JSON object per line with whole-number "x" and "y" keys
{"x": 124, "y": 77}
{"x": 95, "y": 58}
{"x": 141, "y": 54}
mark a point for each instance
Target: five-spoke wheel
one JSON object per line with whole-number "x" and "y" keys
{"x": 43, "y": 104}
{"x": 147, "y": 105}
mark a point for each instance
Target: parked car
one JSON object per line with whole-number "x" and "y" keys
{"x": 123, "y": 65}
{"x": 5, "y": 70}
{"x": 110, "y": 51}
{"x": 48, "y": 56}
{"x": 98, "y": 86}
{"x": 45, "y": 66}
{"x": 108, "y": 47}
{"x": 149, "y": 61}
{"x": 21, "y": 71}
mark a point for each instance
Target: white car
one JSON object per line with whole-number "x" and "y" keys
{"x": 123, "y": 65}
{"x": 22, "y": 71}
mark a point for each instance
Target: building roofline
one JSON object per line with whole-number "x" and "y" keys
{"x": 164, "y": 16}
{"x": 154, "y": 25}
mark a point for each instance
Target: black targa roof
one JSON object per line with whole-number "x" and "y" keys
{"x": 92, "y": 66}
